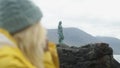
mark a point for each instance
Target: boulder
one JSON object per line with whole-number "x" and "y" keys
{"x": 97, "y": 55}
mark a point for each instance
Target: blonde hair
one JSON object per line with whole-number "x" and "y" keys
{"x": 31, "y": 42}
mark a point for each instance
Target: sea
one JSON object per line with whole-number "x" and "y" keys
{"x": 117, "y": 57}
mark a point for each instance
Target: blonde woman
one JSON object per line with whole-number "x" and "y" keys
{"x": 23, "y": 41}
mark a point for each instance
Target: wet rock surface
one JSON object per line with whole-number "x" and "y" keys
{"x": 97, "y": 55}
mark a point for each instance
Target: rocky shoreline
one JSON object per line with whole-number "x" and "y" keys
{"x": 97, "y": 55}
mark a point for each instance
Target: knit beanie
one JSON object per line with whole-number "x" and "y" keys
{"x": 16, "y": 15}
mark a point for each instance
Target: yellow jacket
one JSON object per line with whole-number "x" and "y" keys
{"x": 51, "y": 57}
{"x": 12, "y": 57}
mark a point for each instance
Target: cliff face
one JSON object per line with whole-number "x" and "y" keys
{"x": 98, "y": 55}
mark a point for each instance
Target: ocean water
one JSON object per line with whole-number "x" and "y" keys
{"x": 117, "y": 57}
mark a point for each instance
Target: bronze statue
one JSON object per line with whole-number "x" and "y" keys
{"x": 60, "y": 33}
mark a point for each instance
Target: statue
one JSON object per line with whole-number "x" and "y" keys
{"x": 60, "y": 33}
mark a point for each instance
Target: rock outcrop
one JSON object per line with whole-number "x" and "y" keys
{"x": 98, "y": 55}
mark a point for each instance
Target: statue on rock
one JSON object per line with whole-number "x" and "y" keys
{"x": 60, "y": 33}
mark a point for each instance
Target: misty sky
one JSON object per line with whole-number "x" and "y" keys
{"x": 96, "y": 17}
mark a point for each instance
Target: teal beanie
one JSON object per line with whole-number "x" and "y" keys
{"x": 16, "y": 15}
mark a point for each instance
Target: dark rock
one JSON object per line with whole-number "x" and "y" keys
{"x": 98, "y": 55}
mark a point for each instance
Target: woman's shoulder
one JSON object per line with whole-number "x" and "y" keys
{"x": 12, "y": 56}
{"x": 9, "y": 50}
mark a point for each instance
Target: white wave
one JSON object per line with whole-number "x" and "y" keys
{"x": 117, "y": 57}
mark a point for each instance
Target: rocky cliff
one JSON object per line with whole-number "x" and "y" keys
{"x": 98, "y": 55}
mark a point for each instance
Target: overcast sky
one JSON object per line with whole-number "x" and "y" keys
{"x": 96, "y": 17}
